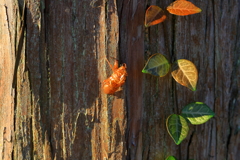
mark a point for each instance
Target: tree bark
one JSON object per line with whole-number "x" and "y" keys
{"x": 53, "y": 60}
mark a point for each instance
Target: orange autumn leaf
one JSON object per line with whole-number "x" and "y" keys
{"x": 154, "y": 15}
{"x": 183, "y": 8}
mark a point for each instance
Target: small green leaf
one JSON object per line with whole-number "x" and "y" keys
{"x": 157, "y": 65}
{"x": 177, "y": 128}
{"x": 171, "y": 158}
{"x": 197, "y": 113}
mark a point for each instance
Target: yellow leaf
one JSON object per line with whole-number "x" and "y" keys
{"x": 186, "y": 74}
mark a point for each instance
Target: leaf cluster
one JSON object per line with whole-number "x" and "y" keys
{"x": 155, "y": 14}
{"x": 195, "y": 113}
{"x": 183, "y": 71}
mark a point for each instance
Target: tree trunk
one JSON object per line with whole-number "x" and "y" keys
{"x": 53, "y": 60}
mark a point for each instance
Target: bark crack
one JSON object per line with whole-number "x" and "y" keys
{"x": 214, "y": 67}
{"x": 234, "y": 95}
{"x": 8, "y": 25}
{"x": 19, "y": 45}
{"x": 173, "y": 59}
{"x": 189, "y": 143}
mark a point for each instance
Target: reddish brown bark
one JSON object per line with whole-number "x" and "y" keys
{"x": 53, "y": 60}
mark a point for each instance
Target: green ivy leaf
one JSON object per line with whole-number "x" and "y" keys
{"x": 171, "y": 158}
{"x": 177, "y": 128}
{"x": 157, "y": 65}
{"x": 197, "y": 113}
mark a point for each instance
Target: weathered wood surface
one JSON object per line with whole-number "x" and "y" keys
{"x": 52, "y": 106}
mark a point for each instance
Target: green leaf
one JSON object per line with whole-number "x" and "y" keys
{"x": 177, "y": 128}
{"x": 171, "y": 158}
{"x": 197, "y": 113}
{"x": 157, "y": 65}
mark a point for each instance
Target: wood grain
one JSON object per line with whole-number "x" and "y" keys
{"x": 52, "y": 106}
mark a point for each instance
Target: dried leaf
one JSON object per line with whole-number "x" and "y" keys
{"x": 183, "y": 8}
{"x": 185, "y": 73}
{"x": 154, "y": 15}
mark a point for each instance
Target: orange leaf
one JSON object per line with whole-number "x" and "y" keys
{"x": 154, "y": 15}
{"x": 183, "y": 8}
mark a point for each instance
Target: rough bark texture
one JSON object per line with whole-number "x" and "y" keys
{"x": 53, "y": 60}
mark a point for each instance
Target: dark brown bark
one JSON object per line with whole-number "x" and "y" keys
{"x": 53, "y": 60}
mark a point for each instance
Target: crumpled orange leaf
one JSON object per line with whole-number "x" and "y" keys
{"x": 183, "y": 8}
{"x": 154, "y": 15}
{"x": 185, "y": 73}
